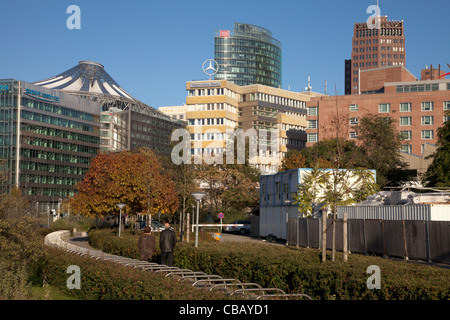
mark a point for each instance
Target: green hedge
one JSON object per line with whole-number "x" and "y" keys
{"x": 298, "y": 269}
{"x": 103, "y": 280}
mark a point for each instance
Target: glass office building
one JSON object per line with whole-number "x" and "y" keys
{"x": 47, "y": 140}
{"x": 248, "y": 55}
{"x": 51, "y": 129}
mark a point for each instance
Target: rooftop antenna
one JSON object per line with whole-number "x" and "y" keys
{"x": 308, "y": 88}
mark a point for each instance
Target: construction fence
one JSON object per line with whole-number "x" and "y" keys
{"x": 409, "y": 239}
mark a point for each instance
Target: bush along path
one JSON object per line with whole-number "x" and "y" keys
{"x": 102, "y": 279}
{"x": 297, "y": 270}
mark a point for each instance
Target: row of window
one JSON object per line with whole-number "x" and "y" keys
{"x": 33, "y": 178}
{"x": 211, "y": 122}
{"x": 57, "y": 156}
{"x": 59, "y": 133}
{"x": 406, "y": 135}
{"x": 54, "y": 168}
{"x": 212, "y": 107}
{"x": 57, "y": 109}
{"x": 56, "y": 121}
{"x": 50, "y": 192}
{"x": 386, "y": 107}
{"x": 51, "y": 144}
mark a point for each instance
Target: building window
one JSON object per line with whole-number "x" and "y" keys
{"x": 405, "y": 107}
{"x": 312, "y": 124}
{"x": 353, "y": 107}
{"x": 406, "y": 148}
{"x": 427, "y": 106}
{"x": 446, "y": 118}
{"x": 427, "y": 134}
{"x": 312, "y": 111}
{"x": 405, "y": 121}
{"x": 446, "y": 105}
{"x": 353, "y": 121}
{"x": 406, "y": 134}
{"x": 353, "y": 135}
{"x": 427, "y": 120}
{"x": 312, "y": 137}
{"x": 384, "y": 108}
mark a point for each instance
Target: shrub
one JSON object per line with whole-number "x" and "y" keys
{"x": 103, "y": 280}
{"x": 299, "y": 270}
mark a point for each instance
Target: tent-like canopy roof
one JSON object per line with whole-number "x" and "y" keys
{"x": 87, "y": 77}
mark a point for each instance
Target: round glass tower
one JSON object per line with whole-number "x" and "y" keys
{"x": 248, "y": 55}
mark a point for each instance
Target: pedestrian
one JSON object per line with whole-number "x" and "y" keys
{"x": 167, "y": 241}
{"x": 146, "y": 244}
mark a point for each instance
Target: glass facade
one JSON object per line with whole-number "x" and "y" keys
{"x": 249, "y": 55}
{"x": 56, "y": 143}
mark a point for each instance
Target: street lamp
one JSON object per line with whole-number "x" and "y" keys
{"x": 120, "y": 205}
{"x": 197, "y": 196}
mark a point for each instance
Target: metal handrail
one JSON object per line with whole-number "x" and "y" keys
{"x": 182, "y": 273}
{"x": 213, "y": 280}
{"x": 287, "y": 295}
{"x": 201, "y": 276}
{"x": 257, "y": 289}
{"x": 168, "y": 269}
{"x": 235, "y": 284}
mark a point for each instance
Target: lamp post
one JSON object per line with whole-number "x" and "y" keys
{"x": 120, "y": 205}
{"x": 197, "y": 196}
{"x": 188, "y": 222}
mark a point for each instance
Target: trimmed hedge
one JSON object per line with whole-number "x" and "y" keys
{"x": 103, "y": 280}
{"x": 298, "y": 269}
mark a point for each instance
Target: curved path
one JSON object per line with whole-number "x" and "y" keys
{"x": 79, "y": 245}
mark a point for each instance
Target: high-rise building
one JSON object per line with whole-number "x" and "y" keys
{"x": 376, "y": 48}
{"x": 275, "y": 119}
{"x": 248, "y": 55}
{"x": 418, "y": 109}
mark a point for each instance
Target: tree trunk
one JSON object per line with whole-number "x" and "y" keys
{"x": 324, "y": 237}
{"x": 333, "y": 248}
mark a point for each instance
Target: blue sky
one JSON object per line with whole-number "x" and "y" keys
{"x": 151, "y": 48}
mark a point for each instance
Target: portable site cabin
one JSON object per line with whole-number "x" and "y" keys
{"x": 277, "y": 194}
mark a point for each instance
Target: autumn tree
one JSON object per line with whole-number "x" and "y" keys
{"x": 293, "y": 160}
{"x": 133, "y": 178}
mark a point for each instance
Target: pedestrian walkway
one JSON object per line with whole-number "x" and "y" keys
{"x": 78, "y": 244}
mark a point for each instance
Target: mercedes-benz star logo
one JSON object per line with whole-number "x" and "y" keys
{"x": 212, "y": 68}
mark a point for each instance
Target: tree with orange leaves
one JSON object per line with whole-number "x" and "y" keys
{"x": 133, "y": 178}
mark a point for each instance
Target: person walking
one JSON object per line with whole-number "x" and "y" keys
{"x": 167, "y": 241}
{"x": 146, "y": 244}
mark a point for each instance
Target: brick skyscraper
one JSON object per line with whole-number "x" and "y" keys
{"x": 376, "y": 47}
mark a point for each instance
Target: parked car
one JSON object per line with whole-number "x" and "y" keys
{"x": 156, "y": 226}
{"x": 246, "y": 228}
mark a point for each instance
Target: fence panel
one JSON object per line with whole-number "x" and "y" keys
{"x": 313, "y": 233}
{"x": 356, "y": 236}
{"x": 374, "y": 237}
{"x": 439, "y": 232}
{"x": 292, "y": 231}
{"x": 303, "y": 232}
{"x": 393, "y": 238}
{"x": 416, "y": 239}
{"x": 339, "y": 234}
{"x": 255, "y": 226}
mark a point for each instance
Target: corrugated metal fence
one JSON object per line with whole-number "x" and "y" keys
{"x": 416, "y": 240}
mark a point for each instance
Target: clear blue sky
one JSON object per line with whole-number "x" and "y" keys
{"x": 151, "y": 48}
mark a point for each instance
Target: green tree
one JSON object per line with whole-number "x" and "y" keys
{"x": 437, "y": 174}
{"x": 380, "y": 144}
